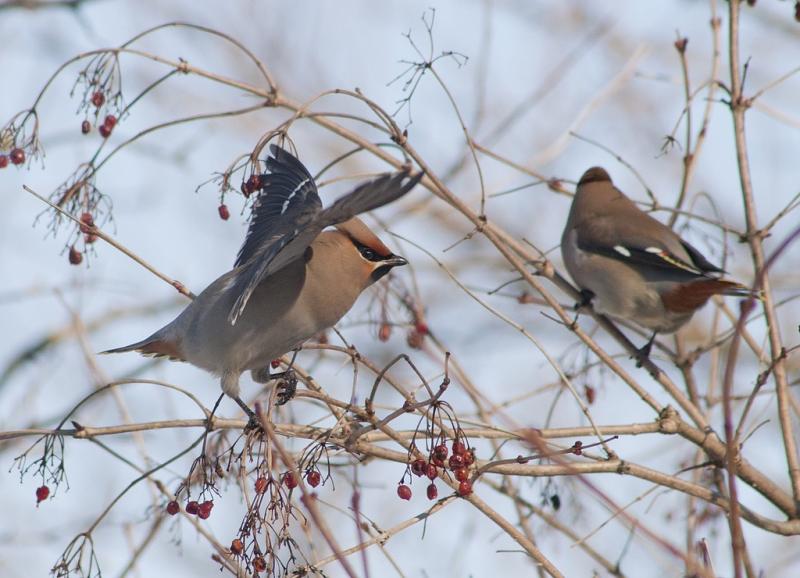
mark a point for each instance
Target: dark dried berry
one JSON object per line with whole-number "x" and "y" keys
{"x": 259, "y": 565}
{"x": 440, "y": 452}
{"x": 105, "y": 130}
{"x": 224, "y": 213}
{"x": 313, "y": 478}
{"x": 289, "y": 480}
{"x": 461, "y": 474}
{"x": 98, "y": 99}
{"x": 432, "y": 492}
{"x": 17, "y": 156}
{"x": 261, "y": 485}
{"x": 173, "y": 508}
{"x": 110, "y": 121}
{"x": 75, "y": 256}
{"x": 419, "y": 467}
{"x": 192, "y": 508}
{"x": 415, "y": 339}
{"x": 254, "y": 183}
{"x": 237, "y": 547}
{"x": 41, "y": 494}
{"x": 577, "y": 448}
{"x": 87, "y": 222}
{"x": 3, "y": 161}
{"x": 465, "y": 488}
{"x": 404, "y": 492}
{"x": 86, "y": 127}
{"x": 555, "y": 501}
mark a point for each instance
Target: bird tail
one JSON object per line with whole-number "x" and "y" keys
{"x": 689, "y": 296}
{"x": 153, "y": 346}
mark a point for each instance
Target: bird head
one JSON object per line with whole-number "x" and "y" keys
{"x": 375, "y": 257}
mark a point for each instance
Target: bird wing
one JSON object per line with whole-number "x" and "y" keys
{"x": 654, "y": 246}
{"x": 282, "y": 227}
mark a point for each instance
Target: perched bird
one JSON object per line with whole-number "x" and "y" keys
{"x": 291, "y": 279}
{"x": 631, "y": 266}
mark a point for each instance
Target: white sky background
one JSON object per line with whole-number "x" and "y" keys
{"x": 513, "y": 48}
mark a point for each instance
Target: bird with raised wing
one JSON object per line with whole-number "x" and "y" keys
{"x": 291, "y": 280}
{"x": 631, "y": 266}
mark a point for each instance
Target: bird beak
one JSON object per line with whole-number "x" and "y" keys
{"x": 394, "y": 261}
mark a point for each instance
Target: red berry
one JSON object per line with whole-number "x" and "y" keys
{"x": 433, "y": 493}
{"x": 577, "y": 448}
{"x": 419, "y": 467}
{"x": 459, "y": 448}
{"x": 87, "y": 222}
{"x": 588, "y": 390}
{"x": 224, "y": 213}
{"x": 313, "y": 478}
{"x": 384, "y": 332}
{"x": 431, "y": 471}
{"x": 461, "y": 474}
{"x": 275, "y": 363}
{"x": 469, "y": 458}
{"x": 75, "y": 256}
{"x": 89, "y": 239}
{"x": 3, "y": 161}
{"x": 415, "y": 339}
{"x": 465, "y": 488}
{"x": 98, "y": 98}
{"x": 440, "y": 452}
{"x": 110, "y": 121}
{"x": 289, "y": 480}
{"x": 173, "y": 508}
{"x": 86, "y": 127}
{"x": 254, "y": 183}
{"x": 41, "y": 494}
{"x": 421, "y": 328}
{"x": 237, "y": 547}
{"x": 259, "y": 565}
{"x": 104, "y": 130}
{"x": 456, "y": 461}
{"x": 261, "y": 485}
{"x": 192, "y": 508}
{"x": 204, "y": 509}
{"x": 17, "y": 156}
{"x": 437, "y": 462}
{"x": 404, "y": 492}
{"x": 245, "y": 189}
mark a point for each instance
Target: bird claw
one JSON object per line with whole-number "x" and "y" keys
{"x": 586, "y": 300}
{"x": 286, "y": 388}
{"x": 643, "y": 353}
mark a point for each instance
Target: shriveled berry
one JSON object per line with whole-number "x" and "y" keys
{"x": 440, "y": 452}
{"x": 261, "y": 485}
{"x": 432, "y": 492}
{"x": 259, "y": 564}
{"x": 275, "y": 363}
{"x": 237, "y": 547}
{"x": 465, "y": 488}
{"x": 224, "y": 213}
{"x": 589, "y": 392}
{"x": 75, "y": 256}
{"x": 110, "y": 121}
{"x": 461, "y": 474}
{"x": 431, "y": 471}
{"x": 89, "y": 239}
{"x": 245, "y": 189}
{"x": 98, "y": 99}
{"x": 459, "y": 448}
{"x": 577, "y": 448}
{"x": 419, "y": 467}
{"x": 313, "y": 478}
{"x": 105, "y": 130}
{"x": 404, "y": 492}
{"x": 289, "y": 480}
{"x": 456, "y": 461}
{"x": 86, "y": 127}
{"x": 3, "y": 161}
{"x": 41, "y": 494}
{"x": 192, "y": 508}
{"x": 415, "y": 339}
{"x": 204, "y": 509}
{"x": 555, "y": 501}
{"x": 17, "y": 156}
{"x": 87, "y": 222}
{"x": 173, "y": 508}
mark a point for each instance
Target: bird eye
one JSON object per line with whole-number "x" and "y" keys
{"x": 369, "y": 254}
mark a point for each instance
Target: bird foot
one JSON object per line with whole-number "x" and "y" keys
{"x": 287, "y": 387}
{"x": 252, "y": 418}
{"x": 643, "y": 353}
{"x": 586, "y": 299}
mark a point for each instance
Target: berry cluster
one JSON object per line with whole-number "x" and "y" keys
{"x": 439, "y": 461}
{"x": 200, "y": 509}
